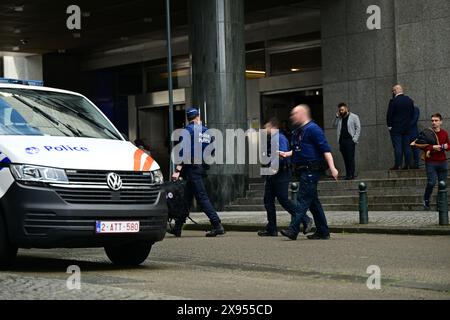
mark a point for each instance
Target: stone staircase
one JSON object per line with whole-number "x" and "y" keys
{"x": 386, "y": 191}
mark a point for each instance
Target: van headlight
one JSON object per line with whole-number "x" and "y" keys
{"x": 30, "y": 173}
{"x": 158, "y": 177}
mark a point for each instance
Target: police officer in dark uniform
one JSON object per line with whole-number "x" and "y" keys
{"x": 311, "y": 151}
{"x": 193, "y": 173}
{"x": 277, "y": 186}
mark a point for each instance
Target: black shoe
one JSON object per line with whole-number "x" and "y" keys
{"x": 405, "y": 168}
{"x": 394, "y": 168}
{"x": 308, "y": 227}
{"x": 426, "y": 205}
{"x": 288, "y": 233}
{"x": 175, "y": 232}
{"x": 265, "y": 233}
{"x": 316, "y": 236}
{"x": 216, "y": 231}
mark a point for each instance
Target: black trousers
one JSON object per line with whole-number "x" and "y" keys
{"x": 348, "y": 148}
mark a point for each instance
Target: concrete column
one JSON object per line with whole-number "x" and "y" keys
{"x": 23, "y": 67}
{"x": 216, "y": 36}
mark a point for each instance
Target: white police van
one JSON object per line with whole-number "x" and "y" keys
{"x": 69, "y": 179}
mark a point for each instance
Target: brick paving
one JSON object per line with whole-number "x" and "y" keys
{"x": 415, "y": 219}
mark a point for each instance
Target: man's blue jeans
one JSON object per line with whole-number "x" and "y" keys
{"x": 436, "y": 172}
{"x": 307, "y": 198}
{"x": 277, "y": 187}
{"x": 401, "y": 143}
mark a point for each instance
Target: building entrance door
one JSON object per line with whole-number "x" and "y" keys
{"x": 154, "y": 131}
{"x": 148, "y": 120}
{"x": 280, "y": 104}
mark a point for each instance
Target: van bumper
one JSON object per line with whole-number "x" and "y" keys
{"x": 37, "y": 217}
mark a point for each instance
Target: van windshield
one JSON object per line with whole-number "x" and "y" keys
{"x": 45, "y": 113}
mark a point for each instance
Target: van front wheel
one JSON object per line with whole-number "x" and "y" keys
{"x": 8, "y": 252}
{"x": 132, "y": 254}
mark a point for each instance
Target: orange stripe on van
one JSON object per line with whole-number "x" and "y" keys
{"x": 137, "y": 159}
{"x": 148, "y": 164}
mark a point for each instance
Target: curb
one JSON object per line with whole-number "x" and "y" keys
{"x": 425, "y": 231}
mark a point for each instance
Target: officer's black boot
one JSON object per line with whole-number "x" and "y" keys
{"x": 176, "y": 230}
{"x": 217, "y": 230}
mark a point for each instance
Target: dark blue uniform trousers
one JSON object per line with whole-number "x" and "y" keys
{"x": 277, "y": 187}
{"x": 195, "y": 187}
{"x": 307, "y": 198}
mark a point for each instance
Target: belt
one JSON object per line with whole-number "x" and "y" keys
{"x": 285, "y": 167}
{"x": 311, "y": 166}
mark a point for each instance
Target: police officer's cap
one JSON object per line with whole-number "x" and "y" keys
{"x": 191, "y": 113}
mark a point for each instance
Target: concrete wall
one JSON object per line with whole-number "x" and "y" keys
{"x": 423, "y": 56}
{"x": 23, "y": 67}
{"x": 360, "y": 66}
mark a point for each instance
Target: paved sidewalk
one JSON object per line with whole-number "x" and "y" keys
{"x": 426, "y": 222}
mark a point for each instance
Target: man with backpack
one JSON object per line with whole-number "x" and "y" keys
{"x": 193, "y": 172}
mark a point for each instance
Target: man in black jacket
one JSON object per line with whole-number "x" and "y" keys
{"x": 400, "y": 115}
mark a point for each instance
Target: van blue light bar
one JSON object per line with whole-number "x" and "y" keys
{"x": 37, "y": 83}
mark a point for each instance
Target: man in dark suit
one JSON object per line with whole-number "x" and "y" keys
{"x": 400, "y": 115}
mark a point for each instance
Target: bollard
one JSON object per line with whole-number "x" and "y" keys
{"x": 294, "y": 193}
{"x": 363, "y": 205}
{"x": 442, "y": 203}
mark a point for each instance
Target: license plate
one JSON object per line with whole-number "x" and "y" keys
{"x": 117, "y": 226}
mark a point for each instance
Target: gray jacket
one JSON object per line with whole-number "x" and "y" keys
{"x": 354, "y": 127}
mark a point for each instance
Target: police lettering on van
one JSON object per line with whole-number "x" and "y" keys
{"x": 61, "y": 148}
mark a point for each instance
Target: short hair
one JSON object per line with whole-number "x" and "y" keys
{"x": 437, "y": 115}
{"x": 342, "y": 104}
{"x": 304, "y": 106}
{"x": 192, "y": 118}
{"x": 274, "y": 122}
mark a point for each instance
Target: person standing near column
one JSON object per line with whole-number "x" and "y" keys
{"x": 311, "y": 150}
{"x": 436, "y": 165}
{"x": 348, "y": 132}
{"x": 399, "y": 118}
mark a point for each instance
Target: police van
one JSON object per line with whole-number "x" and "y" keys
{"x": 69, "y": 179}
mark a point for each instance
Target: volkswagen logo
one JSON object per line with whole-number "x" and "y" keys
{"x": 114, "y": 181}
